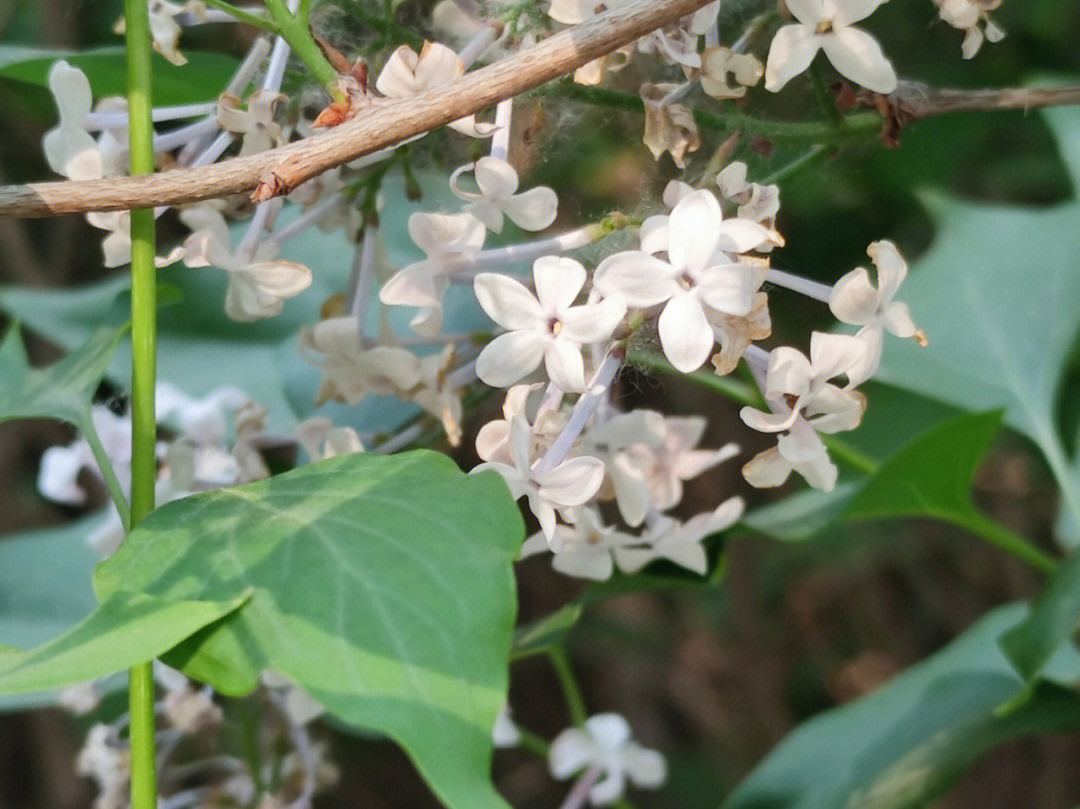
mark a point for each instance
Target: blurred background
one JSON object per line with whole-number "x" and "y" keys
{"x": 714, "y": 677}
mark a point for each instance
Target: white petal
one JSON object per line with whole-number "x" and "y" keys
{"x": 832, "y": 354}
{"x": 490, "y": 214}
{"x": 742, "y": 236}
{"x": 891, "y": 267}
{"x": 793, "y": 49}
{"x": 71, "y": 89}
{"x": 674, "y": 192}
{"x": 810, "y": 12}
{"x": 685, "y": 334}
{"x": 437, "y": 65}
{"x": 573, "y": 482}
{"x": 854, "y": 299}
{"x": 872, "y": 338}
{"x": 609, "y": 730}
{"x": 593, "y": 322}
{"x": 509, "y": 357}
{"x": 565, "y": 368}
{"x": 570, "y": 751}
{"x": 534, "y": 209}
{"x": 694, "y": 230}
{"x": 849, "y": 11}
{"x": 767, "y": 469}
{"x": 768, "y": 422}
{"x": 398, "y": 76}
{"x": 412, "y": 286}
{"x": 631, "y": 560}
{"x": 729, "y": 288}
{"x": 640, "y": 279}
{"x": 515, "y": 481}
{"x": 609, "y": 789}
{"x": 59, "y": 472}
{"x": 646, "y": 768}
{"x": 897, "y": 319}
{"x": 654, "y": 232}
{"x": 631, "y": 490}
{"x": 584, "y": 562}
{"x": 790, "y": 373}
{"x": 508, "y": 302}
{"x": 857, "y": 56}
{"x": 558, "y": 281}
{"x": 496, "y": 178}
{"x": 72, "y": 153}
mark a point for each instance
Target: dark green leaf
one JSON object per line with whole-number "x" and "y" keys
{"x": 1053, "y": 621}
{"x": 382, "y": 585}
{"x": 903, "y": 745}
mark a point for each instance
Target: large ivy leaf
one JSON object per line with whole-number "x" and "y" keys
{"x": 201, "y": 79}
{"x": 906, "y": 743}
{"x": 382, "y": 585}
{"x": 1003, "y": 322}
{"x": 996, "y": 294}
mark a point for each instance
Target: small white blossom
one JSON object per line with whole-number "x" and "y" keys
{"x": 106, "y": 759}
{"x": 545, "y": 327}
{"x": 966, "y": 16}
{"x": 407, "y": 73}
{"x": 444, "y": 238}
{"x": 605, "y": 743}
{"x": 719, "y": 63}
{"x": 800, "y": 450}
{"x": 321, "y": 439}
{"x": 681, "y": 543}
{"x": 117, "y": 245}
{"x": 69, "y": 149}
{"x": 698, "y": 274}
{"x": 258, "y": 287}
{"x": 498, "y": 182}
{"x": 588, "y": 549}
{"x": 505, "y": 733}
{"x": 827, "y": 25}
{"x": 570, "y": 484}
{"x": 256, "y": 123}
{"x": 855, "y": 300}
{"x": 60, "y": 466}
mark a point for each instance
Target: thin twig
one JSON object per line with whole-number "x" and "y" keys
{"x": 915, "y": 101}
{"x": 383, "y": 124}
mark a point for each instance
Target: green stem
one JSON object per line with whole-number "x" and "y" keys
{"x": 295, "y": 31}
{"x": 1001, "y": 537}
{"x": 143, "y": 371}
{"x": 533, "y": 743}
{"x": 859, "y": 126}
{"x": 575, "y": 702}
{"x": 243, "y": 16}
{"x": 112, "y": 482}
{"x": 824, "y": 98}
{"x": 852, "y": 456}
{"x": 795, "y": 166}
{"x": 303, "y": 13}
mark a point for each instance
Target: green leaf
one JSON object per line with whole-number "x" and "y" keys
{"x": 126, "y": 629}
{"x": 546, "y": 633}
{"x": 802, "y": 515}
{"x": 932, "y": 475}
{"x": 906, "y": 743}
{"x": 201, "y": 79}
{"x": 1000, "y": 313}
{"x": 382, "y": 585}
{"x": 1052, "y": 622}
{"x": 64, "y": 391}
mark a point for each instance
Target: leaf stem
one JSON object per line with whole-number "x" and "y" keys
{"x": 242, "y": 15}
{"x": 1001, "y": 537}
{"x": 112, "y": 482}
{"x": 295, "y": 31}
{"x": 143, "y": 373}
{"x": 575, "y": 702}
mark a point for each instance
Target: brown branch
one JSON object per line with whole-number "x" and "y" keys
{"x": 913, "y": 101}
{"x": 383, "y": 124}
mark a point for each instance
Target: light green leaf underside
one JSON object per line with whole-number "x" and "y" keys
{"x": 382, "y": 585}
{"x": 906, "y": 743}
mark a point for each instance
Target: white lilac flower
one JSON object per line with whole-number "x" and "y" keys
{"x": 69, "y": 149}
{"x": 321, "y": 439}
{"x": 256, "y": 123}
{"x": 407, "y": 73}
{"x": 498, "y": 182}
{"x": 569, "y": 485}
{"x": 81, "y": 698}
{"x": 259, "y": 286}
{"x": 164, "y": 30}
{"x": 117, "y": 245}
{"x": 727, "y": 74}
{"x": 827, "y": 25}
{"x": 588, "y": 549}
{"x": 758, "y": 203}
{"x": 697, "y": 275}
{"x": 604, "y": 743}
{"x": 203, "y": 420}
{"x": 60, "y": 466}
{"x": 444, "y": 238}
{"x": 966, "y": 16}
{"x": 625, "y": 479}
{"x": 676, "y": 459}
{"x": 800, "y": 450}
{"x": 350, "y": 370}
{"x": 545, "y": 327}
{"x": 796, "y": 386}
{"x": 437, "y": 393}
{"x": 107, "y": 759}
{"x": 855, "y": 300}
{"x": 300, "y": 707}
{"x": 493, "y": 439}
{"x": 679, "y": 542}
{"x": 505, "y": 733}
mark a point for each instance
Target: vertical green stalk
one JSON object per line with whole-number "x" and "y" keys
{"x": 143, "y": 372}
{"x": 295, "y": 31}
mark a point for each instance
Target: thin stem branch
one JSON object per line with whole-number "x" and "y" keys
{"x": 242, "y": 15}
{"x": 295, "y": 31}
{"x": 914, "y": 101}
{"x": 575, "y": 702}
{"x": 108, "y": 474}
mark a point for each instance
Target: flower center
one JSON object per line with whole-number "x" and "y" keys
{"x": 686, "y": 281}
{"x": 555, "y": 326}
{"x": 823, "y": 27}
